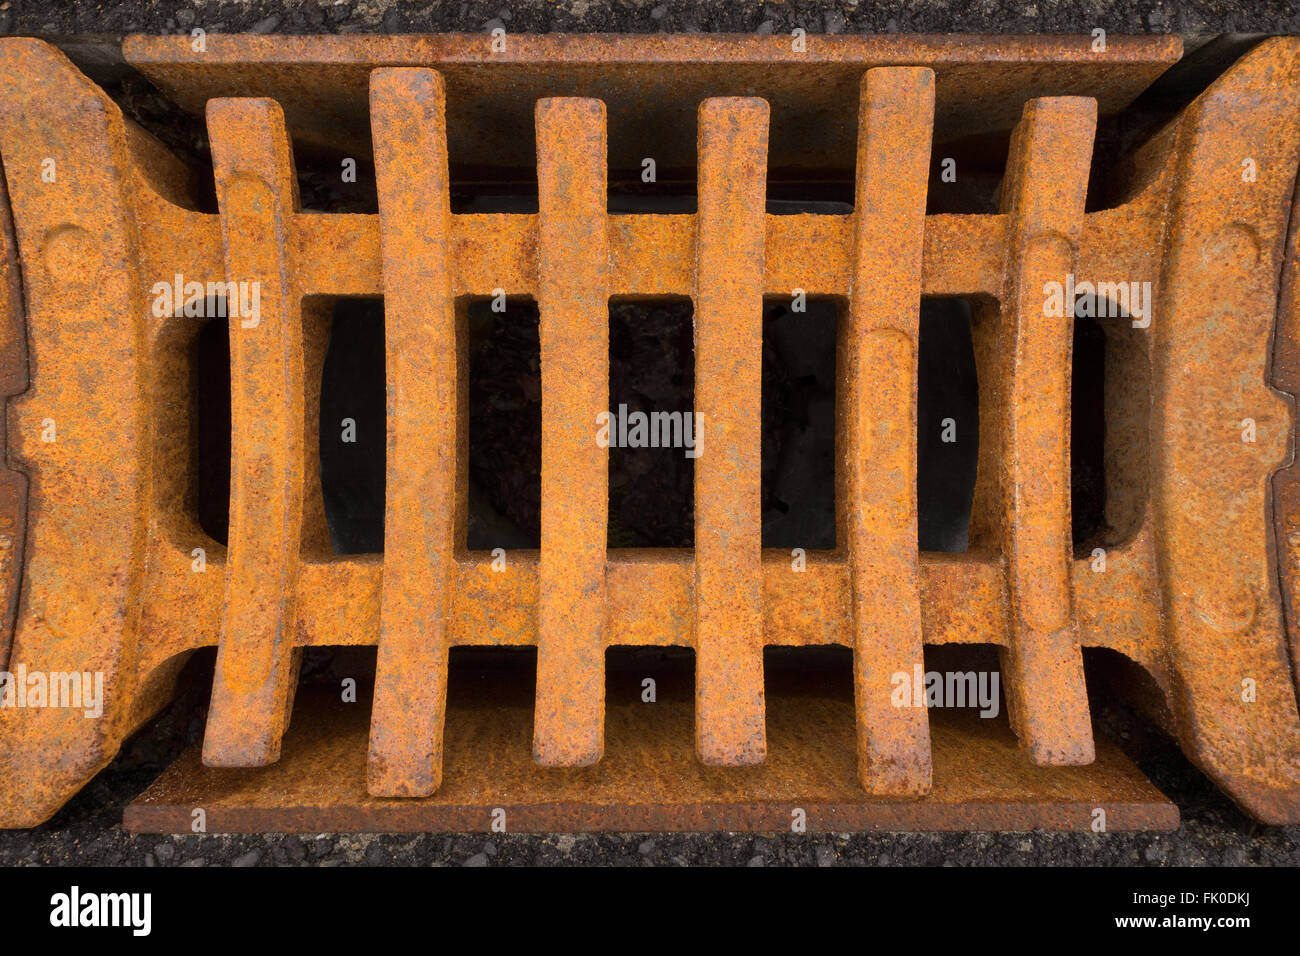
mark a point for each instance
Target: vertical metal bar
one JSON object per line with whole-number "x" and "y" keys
{"x": 1044, "y": 193}
{"x": 253, "y": 688}
{"x": 729, "y": 700}
{"x": 573, "y": 302}
{"x": 407, "y": 110}
{"x": 895, "y": 125}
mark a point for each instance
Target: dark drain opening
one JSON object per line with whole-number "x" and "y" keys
{"x": 800, "y": 191}
{"x": 642, "y": 684}
{"x": 652, "y": 424}
{"x": 484, "y": 679}
{"x": 960, "y": 677}
{"x": 505, "y": 424}
{"x": 1109, "y": 421}
{"x": 966, "y": 174}
{"x": 798, "y": 453}
{"x": 649, "y": 176}
{"x": 948, "y": 425}
{"x": 831, "y": 664}
{"x": 353, "y": 423}
{"x": 1088, "y": 432}
{"x": 342, "y": 673}
{"x": 332, "y": 181}
{"x": 808, "y": 687}
{"x": 212, "y": 427}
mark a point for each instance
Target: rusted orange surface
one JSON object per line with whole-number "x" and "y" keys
{"x": 424, "y": 502}
{"x": 1192, "y": 590}
{"x": 252, "y": 692}
{"x": 878, "y": 426}
{"x": 1043, "y": 196}
{"x": 573, "y": 300}
{"x": 728, "y": 624}
{"x": 651, "y": 778}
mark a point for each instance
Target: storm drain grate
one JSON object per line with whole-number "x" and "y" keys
{"x": 118, "y": 578}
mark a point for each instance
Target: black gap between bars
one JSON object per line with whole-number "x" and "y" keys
{"x": 651, "y": 433}
{"x": 798, "y": 432}
{"x": 947, "y": 419}
{"x": 505, "y": 423}
{"x": 1087, "y": 431}
{"x": 212, "y": 425}
{"x": 353, "y": 423}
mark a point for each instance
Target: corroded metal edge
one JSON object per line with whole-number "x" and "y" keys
{"x": 810, "y": 81}
{"x": 873, "y": 815}
{"x": 13, "y": 381}
{"x": 649, "y": 779}
{"x": 1285, "y": 376}
{"x": 603, "y": 48}
{"x": 1218, "y": 439}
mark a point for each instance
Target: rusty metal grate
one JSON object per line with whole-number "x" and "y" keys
{"x": 1190, "y": 589}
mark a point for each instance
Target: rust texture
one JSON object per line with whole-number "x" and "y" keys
{"x": 252, "y": 692}
{"x": 729, "y": 631}
{"x": 878, "y": 437}
{"x": 1043, "y": 196}
{"x": 650, "y": 778}
{"x": 573, "y": 301}
{"x": 13, "y": 381}
{"x": 1204, "y": 543}
{"x": 422, "y": 496}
